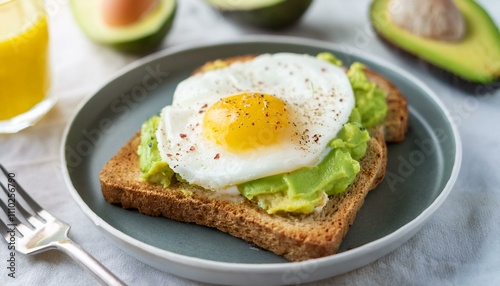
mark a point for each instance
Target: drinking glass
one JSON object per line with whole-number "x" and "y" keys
{"x": 24, "y": 64}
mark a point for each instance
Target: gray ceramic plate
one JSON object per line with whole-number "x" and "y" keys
{"x": 420, "y": 173}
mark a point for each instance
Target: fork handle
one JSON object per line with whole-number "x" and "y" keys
{"x": 88, "y": 262}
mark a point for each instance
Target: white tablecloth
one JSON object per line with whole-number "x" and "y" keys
{"x": 460, "y": 244}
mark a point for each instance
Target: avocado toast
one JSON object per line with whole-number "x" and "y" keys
{"x": 295, "y": 236}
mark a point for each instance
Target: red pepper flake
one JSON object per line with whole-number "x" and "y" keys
{"x": 192, "y": 148}
{"x": 217, "y": 156}
{"x": 169, "y": 155}
{"x": 183, "y": 135}
{"x": 316, "y": 138}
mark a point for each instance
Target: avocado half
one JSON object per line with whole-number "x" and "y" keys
{"x": 475, "y": 58}
{"x": 138, "y": 37}
{"x": 268, "y": 14}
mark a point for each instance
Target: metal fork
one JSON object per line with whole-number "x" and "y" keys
{"x": 41, "y": 231}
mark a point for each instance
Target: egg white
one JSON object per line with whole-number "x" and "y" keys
{"x": 319, "y": 99}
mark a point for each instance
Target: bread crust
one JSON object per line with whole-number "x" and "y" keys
{"x": 296, "y": 237}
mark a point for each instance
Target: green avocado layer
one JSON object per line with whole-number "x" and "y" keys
{"x": 153, "y": 169}
{"x": 302, "y": 190}
{"x": 370, "y": 99}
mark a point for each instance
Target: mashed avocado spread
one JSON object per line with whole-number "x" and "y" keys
{"x": 153, "y": 169}
{"x": 302, "y": 190}
{"x": 370, "y": 99}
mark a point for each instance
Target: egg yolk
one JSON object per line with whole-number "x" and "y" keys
{"x": 245, "y": 121}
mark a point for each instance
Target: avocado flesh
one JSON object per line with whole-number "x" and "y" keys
{"x": 138, "y": 37}
{"x": 475, "y": 58}
{"x": 268, "y": 14}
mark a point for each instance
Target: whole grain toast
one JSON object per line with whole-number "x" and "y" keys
{"x": 296, "y": 237}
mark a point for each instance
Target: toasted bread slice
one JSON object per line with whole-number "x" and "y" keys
{"x": 296, "y": 237}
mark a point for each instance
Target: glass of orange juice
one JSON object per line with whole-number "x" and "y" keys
{"x": 24, "y": 64}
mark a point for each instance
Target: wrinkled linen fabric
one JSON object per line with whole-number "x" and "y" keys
{"x": 459, "y": 245}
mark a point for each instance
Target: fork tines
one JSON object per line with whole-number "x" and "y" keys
{"x": 13, "y": 203}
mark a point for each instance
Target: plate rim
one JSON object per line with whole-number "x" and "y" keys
{"x": 401, "y": 235}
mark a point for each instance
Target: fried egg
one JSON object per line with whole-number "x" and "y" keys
{"x": 273, "y": 114}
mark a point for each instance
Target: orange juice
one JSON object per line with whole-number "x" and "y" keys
{"x": 24, "y": 67}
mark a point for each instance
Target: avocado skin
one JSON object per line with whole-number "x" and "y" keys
{"x": 275, "y": 17}
{"x": 474, "y": 86}
{"x": 147, "y": 43}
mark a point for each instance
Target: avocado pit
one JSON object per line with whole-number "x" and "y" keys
{"x": 435, "y": 19}
{"x": 125, "y": 12}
